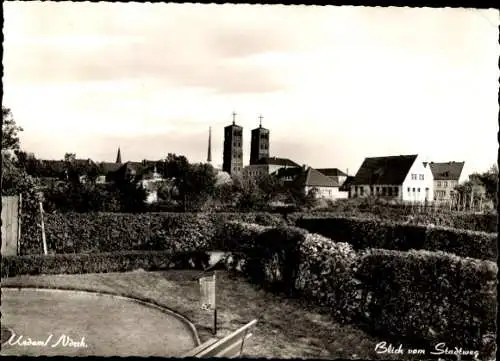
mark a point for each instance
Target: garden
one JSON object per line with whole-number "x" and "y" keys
{"x": 401, "y": 282}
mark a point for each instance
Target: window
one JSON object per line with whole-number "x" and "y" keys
{"x": 396, "y": 191}
{"x": 408, "y": 189}
{"x": 356, "y": 189}
{"x": 378, "y": 190}
{"x": 383, "y": 191}
{"x": 361, "y": 190}
{"x": 329, "y": 192}
{"x": 421, "y": 177}
{"x": 413, "y": 190}
{"x": 390, "y": 191}
{"x": 371, "y": 189}
{"x": 445, "y": 184}
{"x": 413, "y": 176}
{"x": 439, "y": 184}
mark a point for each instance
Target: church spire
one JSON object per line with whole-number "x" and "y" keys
{"x": 209, "y": 156}
{"x": 234, "y": 118}
{"x": 118, "y": 156}
{"x": 260, "y": 121}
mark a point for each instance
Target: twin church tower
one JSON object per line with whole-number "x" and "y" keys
{"x": 233, "y": 146}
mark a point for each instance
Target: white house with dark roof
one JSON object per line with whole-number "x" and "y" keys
{"x": 402, "y": 178}
{"x": 446, "y": 177}
{"x": 334, "y": 173}
{"x": 313, "y": 180}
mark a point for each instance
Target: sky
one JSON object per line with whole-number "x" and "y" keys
{"x": 334, "y": 84}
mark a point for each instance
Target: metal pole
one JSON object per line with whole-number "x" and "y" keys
{"x": 43, "y": 230}
{"x": 215, "y": 305}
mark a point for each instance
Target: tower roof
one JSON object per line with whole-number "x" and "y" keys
{"x": 118, "y": 156}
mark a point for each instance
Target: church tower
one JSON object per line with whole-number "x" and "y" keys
{"x": 118, "y": 157}
{"x": 209, "y": 155}
{"x": 232, "y": 162}
{"x": 259, "y": 147}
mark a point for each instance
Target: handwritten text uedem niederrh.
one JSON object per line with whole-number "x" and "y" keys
{"x": 50, "y": 341}
{"x": 439, "y": 349}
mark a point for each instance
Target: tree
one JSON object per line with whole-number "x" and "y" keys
{"x": 10, "y": 131}
{"x": 271, "y": 187}
{"x": 14, "y": 178}
{"x": 247, "y": 194}
{"x": 198, "y": 185}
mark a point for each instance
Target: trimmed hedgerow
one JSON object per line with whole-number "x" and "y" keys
{"x": 296, "y": 262}
{"x": 77, "y": 263}
{"x": 325, "y": 275}
{"x": 362, "y": 234}
{"x": 85, "y": 263}
{"x": 429, "y": 296}
{"x": 108, "y": 232}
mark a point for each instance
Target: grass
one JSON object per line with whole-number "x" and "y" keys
{"x": 286, "y": 327}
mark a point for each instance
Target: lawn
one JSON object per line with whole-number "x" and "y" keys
{"x": 286, "y": 327}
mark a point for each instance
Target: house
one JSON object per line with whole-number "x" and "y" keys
{"x": 334, "y": 173}
{"x": 446, "y": 179}
{"x": 401, "y": 177}
{"x": 268, "y": 165}
{"x": 312, "y": 180}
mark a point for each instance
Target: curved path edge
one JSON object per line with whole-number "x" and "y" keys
{"x": 144, "y": 302}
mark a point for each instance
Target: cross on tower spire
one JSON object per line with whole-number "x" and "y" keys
{"x": 260, "y": 121}
{"x": 234, "y": 118}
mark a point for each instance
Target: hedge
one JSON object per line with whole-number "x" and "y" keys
{"x": 103, "y": 232}
{"x": 293, "y": 261}
{"x": 109, "y": 232}
{"x": 79, "y": 263}
{"x": 430, "y": 296}
{"x": 362, "y": 234}
{"x": 422, "y": 296}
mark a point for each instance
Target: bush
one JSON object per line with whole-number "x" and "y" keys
{"x": 429, "y": 296}
{"x": 273, "y": 257}
{"x": 85, "y": 263}
{"x": 295, "y": 262}
{"x": 325, "y": 275}
{"x": 362, "y": 234}
{"x": 108, "y": 232}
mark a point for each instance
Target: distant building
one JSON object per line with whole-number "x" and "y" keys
{"x": 403, "y": 178}
{"x": 233, "y": 149}
{"x": 268, "y": 165}
{"x": 446, "y": 178}
{"x": 312, "y": 180}
{"x": 259, "y": 146}
{"x": 334, "y": 173}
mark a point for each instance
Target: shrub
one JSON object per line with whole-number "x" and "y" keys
{"x": 273, "y": 257}
{"x": 362, "y": 234}
{"x": 325, "y": 275}
{"x": 85, "y": 263}
{"x": 429, "y": 296}
{"x": 108, "y": 232}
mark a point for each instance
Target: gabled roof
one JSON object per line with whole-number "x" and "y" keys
{"x": 313, "y": 178}
{"x": 384, "y": 170}
{"x": 332, "y": 172}
{"x": 285, "y": 162}
{"x": 447, "y": 171}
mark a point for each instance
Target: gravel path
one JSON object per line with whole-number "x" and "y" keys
{"x": 81, "y": 324}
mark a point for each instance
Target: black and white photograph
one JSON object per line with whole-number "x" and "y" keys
{"x": 253, "y": 181}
